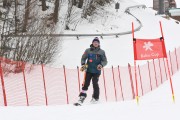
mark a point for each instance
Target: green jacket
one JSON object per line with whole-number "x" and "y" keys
{"x": 93, "y": 57}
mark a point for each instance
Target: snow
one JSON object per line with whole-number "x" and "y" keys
{"x": 155, "y": 105}
{"x": 119, "y": 51}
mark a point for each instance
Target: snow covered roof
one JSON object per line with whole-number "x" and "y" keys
{"x": 175, "y": 12}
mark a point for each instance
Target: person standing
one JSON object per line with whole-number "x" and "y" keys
{"x": 92, "y": 61}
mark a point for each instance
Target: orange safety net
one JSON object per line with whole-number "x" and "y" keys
{"x": 31, "y": 85}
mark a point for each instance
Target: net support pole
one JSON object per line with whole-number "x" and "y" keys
{"x": 104, "y": 85}
{"x": 25, "y": 86}
{"x": 114, "y": 83}
{"x": 150, "y": 80}
{"x": 140, "y": 80}
{"x": 120, "y": 81}
{"x": 155, "y": 73}
{"x": 44, "y": 83}
{"x": 3, "y": 86}
{"x": 65, "y": 80}
{"x": 79, "y": 85}
{"x": 176, "y": 60}
{"x": 160, "y": 69}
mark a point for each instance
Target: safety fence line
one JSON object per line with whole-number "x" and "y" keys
{"x": 24, "y": 84}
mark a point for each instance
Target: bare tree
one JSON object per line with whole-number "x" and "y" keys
{"x": 27, "y": 11}
{"x": 44, "y": 7}
{"x": 7, "y": 3}
{"x": 80, "y": 3}
{"x": 56, "y": 11}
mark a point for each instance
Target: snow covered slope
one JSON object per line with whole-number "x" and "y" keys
{"x": 119, "y": 50}
{"x": 155, "y": 105}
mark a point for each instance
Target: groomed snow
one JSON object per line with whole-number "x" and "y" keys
{"x": 155, "y": 105}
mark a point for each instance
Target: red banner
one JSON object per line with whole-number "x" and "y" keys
{"x": 145, "y": 49}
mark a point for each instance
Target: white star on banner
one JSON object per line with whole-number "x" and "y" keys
{"x": 148, "y": 45}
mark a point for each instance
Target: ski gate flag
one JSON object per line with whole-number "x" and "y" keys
{"x": 148, "y": 49}
{"x": 145, "y": 49}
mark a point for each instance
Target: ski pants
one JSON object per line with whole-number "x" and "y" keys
{"x": 95, "y": 79}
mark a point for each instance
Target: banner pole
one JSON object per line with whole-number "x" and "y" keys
{"x": 161, "y": 29}
{"x": 137, "y": 96}
{"x": 171, "y": 84}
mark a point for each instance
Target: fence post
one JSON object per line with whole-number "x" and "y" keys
{"x": 65, "y": 80}
{"x": 3, "y": 86}
{"x": 176, "y": 59}
{"x": 104, "y": 85}
{"x": 140, "y": 80}
{"x": 79, "y": 83}
{"x": 44, "y": 84}
{"x": 160, "y": 70}
{"x": 25, "y": 86}
{"x": 155, "y": 73}
{"x": 120, "y": 83}
{"x": 149, "y": 75}
{"x": 114, "y": 83}
{"x": 131, "y": 80}
{"x": 165, "y": 69}
{"x": 171, "y": 62}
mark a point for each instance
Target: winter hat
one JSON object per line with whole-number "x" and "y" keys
{"x": 96, "y": 39}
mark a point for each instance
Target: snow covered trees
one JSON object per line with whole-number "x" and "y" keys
{"x": 32, "y": 17}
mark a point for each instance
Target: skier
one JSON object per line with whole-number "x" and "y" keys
{"x": 92, "y": 61}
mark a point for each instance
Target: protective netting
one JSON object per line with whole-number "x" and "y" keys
{"x": 27, "y": 84}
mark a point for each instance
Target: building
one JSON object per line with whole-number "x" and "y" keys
{"x": 175, "y": 13}
{"x": 163, "y": 8}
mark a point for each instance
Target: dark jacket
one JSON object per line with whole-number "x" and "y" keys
{"x": 94, "y": 57}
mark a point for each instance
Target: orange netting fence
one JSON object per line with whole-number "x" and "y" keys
{"x": 24, "y": 84}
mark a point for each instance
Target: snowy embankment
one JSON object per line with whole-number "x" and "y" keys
{"x": 120, "y": 50}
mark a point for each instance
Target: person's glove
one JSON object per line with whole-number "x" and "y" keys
{"x": 83, "y": 68}
{"x": 99, "y": 67}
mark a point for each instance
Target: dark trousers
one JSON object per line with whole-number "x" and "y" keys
{"x": 95, "y": 79}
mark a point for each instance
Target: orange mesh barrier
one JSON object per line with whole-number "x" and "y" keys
{"x": 24, "y": 84}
